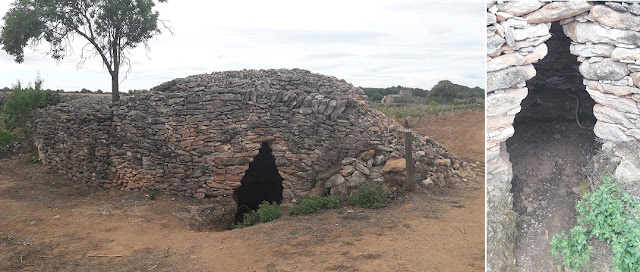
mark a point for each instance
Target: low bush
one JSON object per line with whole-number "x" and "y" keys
{"x": 5, "y": 137}
{"x": 314, "y": 205}
{"x": 606, "y": 214}
{"x": 266, "y": 212}
{"x": 369, "y": 197}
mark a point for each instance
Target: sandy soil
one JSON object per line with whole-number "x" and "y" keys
{"x": 49, "y": 223}
{"x": 461, "y": 132}
{"x": 548, "y": 152}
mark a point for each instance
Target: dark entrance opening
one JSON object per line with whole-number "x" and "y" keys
{"x": 552, "y": 142}
{"x": 261, "y": 182}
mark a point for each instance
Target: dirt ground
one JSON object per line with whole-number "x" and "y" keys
{"x": 49, "y": 223}
{"x": 548, "y": 152}
{"x": 461, "y": 132}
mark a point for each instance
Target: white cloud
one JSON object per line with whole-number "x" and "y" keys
{"x": 368, "y": 43}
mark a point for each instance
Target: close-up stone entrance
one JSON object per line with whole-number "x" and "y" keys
{"x": 536, "y": 146}
{"x": 552, "y": 142}
{"x": 261, "y": 182}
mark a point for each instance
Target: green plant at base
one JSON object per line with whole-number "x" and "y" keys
{"x": 607, "y": 214}
{"x": 248, "y": 219}
{"x": 369, "y": 197}
{"x": 314, "y": 205}
{"x": 268, "y": 211}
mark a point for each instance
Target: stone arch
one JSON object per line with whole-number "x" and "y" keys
{"x": 605, "y": 37}
{"x": 260, "y": 182}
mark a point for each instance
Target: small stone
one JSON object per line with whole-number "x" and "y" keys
{"x": 427, "y": 182}
{"x": 347, "y": 170}
{"x": 367, "y": 155}
{"x": 443, "y": 162}
{"x": 395, "y": 165}
{"x": 335, "y": 180}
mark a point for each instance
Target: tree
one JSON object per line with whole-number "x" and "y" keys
{"x": 111, "y": 28}
{"x": 377, "y": 97}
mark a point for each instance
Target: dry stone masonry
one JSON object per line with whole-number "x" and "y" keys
{"x": 606, "y": 40}
{"x": 197, "y": 136}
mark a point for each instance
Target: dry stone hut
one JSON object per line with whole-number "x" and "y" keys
{"x": 605, "y": 38}
{"x": 238, "y": 138}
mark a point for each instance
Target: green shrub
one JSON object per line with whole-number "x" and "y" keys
{"x": 314, "y": 205}
{"x": 606, "y": 214}
{"x": 369, "y": 197}
{"x": 5, "y": 137}
{"x": 268, "y": 211}
{"x": 22, "y": 102}
{"x": 248, "y": 219}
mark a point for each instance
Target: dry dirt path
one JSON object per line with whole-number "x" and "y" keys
{"x": 48, "y": 223}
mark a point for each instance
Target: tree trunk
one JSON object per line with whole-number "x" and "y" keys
{"x": 115, "y": 93}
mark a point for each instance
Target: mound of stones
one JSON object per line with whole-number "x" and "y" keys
{"x": 197, "y": 135}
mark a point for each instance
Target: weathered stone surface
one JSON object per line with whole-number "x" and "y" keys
{"x": 506, "y": 60}
{"x": 623, "y": 104}
{"x": 625, "y": 54}
{"x": 635, "y": 77}
{"x": 494, "y": 43}
{"x": 367, "y": 155}
{"x": 517, "y": 8}
{"x": 611, "y": 89}
{"x": 520, "y": 45}
{"x": 612, "y": 116}
{"x": 508, "y": 33}
{"x": 491, "y": 18}
{"x": 395, "y": 165}
{"x": 443, "y": 162}
{"x": 606, "y": 69}
{"x": 595, "y": 33}
{"x": 335, "y": 180}
{"x": 427, "y": 182}
{"x": 213, "y": 217}
{"x": 509, "y": 77}
{"x": 505, "y": 102}
{"x": 557, "y": 11}
{"x": 591, "y": 50}
{"x": 347, "y": 170}
{"x": 628, "y": 171}
{"x": 615, "y": 19}
{"x": 358, "y": 178}
{"x": 531, "y": 31}
{"x": 610, "y": 132}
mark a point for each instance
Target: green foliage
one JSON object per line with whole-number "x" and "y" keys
{"x": 314, "y": 205}
{"x": 266, "y": 212}
{"x": 394, "y": 90}
{"x": 606, "y": 214}
{"x": 446, "y": 91}
{"x": 376, "y": 97}
{"x": 434, "y": 103}
{"x": 398, "y": 111}
{"x": 574, "y": 249}
{"x": 5, "y": 137}
{"x": 248, "y": 219}
{"x": 111, "y": 28}
{"x": 369, "y": 197}
{"x": 22, "y": 102}
{"x": 138, "y": 92}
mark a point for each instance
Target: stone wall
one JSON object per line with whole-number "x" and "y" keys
{"x": 606, "y": 40}
{"x": 197, "y": 135}
{"x": 74, "y": 138}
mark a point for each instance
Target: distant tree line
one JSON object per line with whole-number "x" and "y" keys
{"x": 444, "y": 91}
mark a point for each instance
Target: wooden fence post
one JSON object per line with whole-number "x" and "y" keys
{"x": 410, "y": 184}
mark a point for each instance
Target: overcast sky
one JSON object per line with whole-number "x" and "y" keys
{"x": 368, "y": 43}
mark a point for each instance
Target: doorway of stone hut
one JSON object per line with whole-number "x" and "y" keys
{"x": 261, "y": 182}
{"x": 553, "y": 140}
